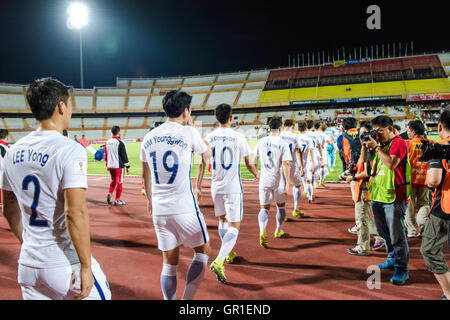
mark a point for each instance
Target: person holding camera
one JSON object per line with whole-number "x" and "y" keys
{"x": 365, "y": 225}
{"x": 437, "y": 228}
{"x": 419, "y": 190}
{"x": 389, "y": 187}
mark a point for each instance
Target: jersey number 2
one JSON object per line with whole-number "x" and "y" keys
{"x": 37, "y": 190}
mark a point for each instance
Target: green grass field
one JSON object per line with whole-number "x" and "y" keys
{"x": 98, "y": 167}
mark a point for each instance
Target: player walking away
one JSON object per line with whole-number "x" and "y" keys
{"x": 45, "y": 182}
{"x": 116, "y": 159}
{"x": 274, "y": 154}
{"x": 3, "y": 149}
{"x": 228, "y": 147}
{"x": 332, "y": 132}
{"x": 318, "y": 157}
{"x": 307, "y": 148}
{"x": 166, "y": 155}
{"x": 325, "y": 141}
{"x": 296, "y": 172}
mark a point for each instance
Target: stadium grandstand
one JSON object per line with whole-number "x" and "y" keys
{"x": 400, "y": 87}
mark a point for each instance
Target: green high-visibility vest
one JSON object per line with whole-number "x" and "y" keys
{"x": 382, "y": 183}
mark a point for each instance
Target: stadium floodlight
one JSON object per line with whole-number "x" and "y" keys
{"x": 78, "y": 18}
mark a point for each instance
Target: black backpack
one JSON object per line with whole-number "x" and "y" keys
{"x": 355, "y": 146}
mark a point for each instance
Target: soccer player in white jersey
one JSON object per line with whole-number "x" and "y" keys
{"x": 309, "y": 159}
{"x": 228, "y": 147}
{"x": 332, "y": 132}
{"x": 166, "y": 155}
{"x": 318, "y": 161}
{"x": 44, "y": 188}
{"x": 297, "y": 171}
{"x": 275, "y": 159}
{"x": 326, "y": 140}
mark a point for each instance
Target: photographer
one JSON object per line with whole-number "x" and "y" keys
{"x": 389, "y": 190}
{"x": 436, "y": 230}
{"x": 419, "y": 190}
{"x": 365, "y": 225}
{"x": 350, "y": 143}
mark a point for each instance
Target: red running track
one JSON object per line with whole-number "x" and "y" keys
{"x": 311, "y": 263}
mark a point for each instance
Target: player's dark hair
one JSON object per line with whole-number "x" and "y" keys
{"x": 349, "y": 123}
{"x": 275, "y": 123}
{"x": 417, "y": 126}
{"x": 309, "y": 124}
{"x": 3, "y": 133}
{"x": 115, "y": 130}
{"x": 44, "y": 94}
{"x": 397, "y": 127}
{"x": 65, "y": 133}
{"x": 301, "y": 126}
{"x": 444, "y": 118}
{"x": 382, "y": 121}
{"x": 223, "y": 113}
{"x": 289, "y": 123}
{"x": 317, "y": 125}
{"x": 366, "y": 124}
{"x": 175, "y": 102}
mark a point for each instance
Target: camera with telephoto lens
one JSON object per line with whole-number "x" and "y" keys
{"x": 432, "y": 150}
{"x": 365, "y": 136}
{"x": 351, "y": 171}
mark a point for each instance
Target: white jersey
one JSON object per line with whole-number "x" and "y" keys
{"x": 293, "y": 141}
{"x": 38, "y": 168}
{"x": 228, "y": 147}
{"x": 272, "y": 151}
{"x": 306, "y": 144}
{"x": 168, "y": 151}
{"x": 316, "y": 141}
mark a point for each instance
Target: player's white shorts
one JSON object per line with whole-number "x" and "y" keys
{"x": 187, "y": 229}
{"x": 61, "y": 283}
{"x": 308, "y": 174}
{"x": 266, "y": 195}
{"x": 228, "y": 204}
{"x": 294, "y": 178}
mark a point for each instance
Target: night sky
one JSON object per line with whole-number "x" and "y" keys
{"x": 168, "y": 38}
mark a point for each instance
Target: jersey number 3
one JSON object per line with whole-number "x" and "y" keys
{"x": 37, "y": 190}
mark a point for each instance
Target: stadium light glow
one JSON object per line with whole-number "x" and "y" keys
{"x": 78, "y": 16}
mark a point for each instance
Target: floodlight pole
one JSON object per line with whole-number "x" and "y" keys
{"x": 81, "y": 59}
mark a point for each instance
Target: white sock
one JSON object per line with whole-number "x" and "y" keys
{"x": 169, "y": 281}
{"x": 228, "y": 242}
{"x": 263, "y": 217}
{"x": 281, "y": 214}
{"x": 297, "y": 194}
{"x": 195, "y": 275}
{"x": 223, "y": 227}
{"x": 310, "y": 189}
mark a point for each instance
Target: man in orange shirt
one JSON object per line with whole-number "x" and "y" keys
{"x": 419, "y": 190}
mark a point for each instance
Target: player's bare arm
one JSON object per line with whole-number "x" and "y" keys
{"x": 147, "y": 178}
{"x": 300, "y": 161}
{"x": 287, "y": 174}
{"x": 200, "y": 175}
{"x": 311, "y": 156}
{"x": 252, "y": 167}
{"x": 11, "y": 211}
{"x": 77, "y": 221}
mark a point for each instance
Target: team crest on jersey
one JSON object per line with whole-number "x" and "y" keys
{"x": 80, "y": 166}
